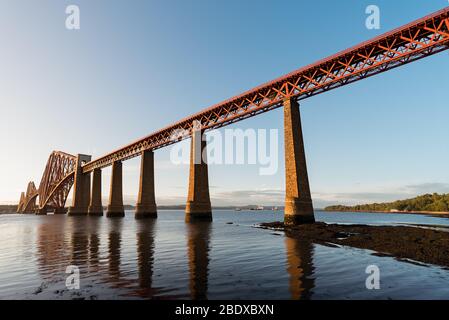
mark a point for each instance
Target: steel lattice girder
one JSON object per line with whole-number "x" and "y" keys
{"x": 411, "y": 42}
{"x": 28, "y": 199}
{"x": 57, "y": 180}
{"x": 21, "y": 202}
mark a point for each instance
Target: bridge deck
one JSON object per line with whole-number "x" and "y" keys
{"x": 416, "y": 40}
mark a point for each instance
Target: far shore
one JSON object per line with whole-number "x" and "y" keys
{"x": 431, "y": 213}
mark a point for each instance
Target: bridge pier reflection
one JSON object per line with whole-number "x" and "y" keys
{"x": 300, "y": 268}
{"x": 79, "y": 240}
{"x": 94, "y": 245}
{"x": 298, "y": 200}
{"x": 52, "y": 251}
{"x": 145, "y": 256}
{"x": 114, "y": 250}
{"x": 198, "y": 205}
{"x": 198, "y": 255}
{"x": 115, "y": 207}
{"x": 146, "y": 201}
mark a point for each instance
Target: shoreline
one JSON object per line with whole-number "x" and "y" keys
{"x": 423, "y": 245}
{"x": 428, "y": 213}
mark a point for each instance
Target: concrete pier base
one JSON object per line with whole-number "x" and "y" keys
{"x": 143, "y": 212}
{"x": 95, "y": 206}
{"x": 41, "y": 212}
{"x": 81, "y": 188}
{"x": 60, "y": 211}
{"x": 146, "y": 201}
{"x": 198, "y": 205}
{"x": 115, "y": 207}
{"x": 95, "y": 211}
{"x": 298, "y": 200}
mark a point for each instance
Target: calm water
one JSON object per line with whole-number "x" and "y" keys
{"x": 169, "y": 259}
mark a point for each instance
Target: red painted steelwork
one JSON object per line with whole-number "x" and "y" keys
{"x": 55, "y": 185}
{"x": 56, "y": 182}
{"x": 406, "y": 44}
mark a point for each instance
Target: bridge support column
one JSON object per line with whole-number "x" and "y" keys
{"x": 198, "y": 205}
{"x": 81, "y": 188}
{"x": 95, "y": 206}
{"x": 146, "y": 202}
{"x": 115, "y": 207}
{"x": 298, "y": 200}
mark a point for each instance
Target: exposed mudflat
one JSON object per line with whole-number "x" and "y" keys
{"x": 419, "y": 244}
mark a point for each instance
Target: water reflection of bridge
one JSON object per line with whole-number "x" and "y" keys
{"x": 300, "y": 268}
{"x": 97, "y": 249}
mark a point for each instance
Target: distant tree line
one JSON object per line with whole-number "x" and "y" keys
{"x": 428, "y": 202}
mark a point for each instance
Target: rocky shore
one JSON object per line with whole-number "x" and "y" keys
{"x": 425, "y": 245}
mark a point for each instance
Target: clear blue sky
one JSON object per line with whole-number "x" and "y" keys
{"x": 136, "y": 66}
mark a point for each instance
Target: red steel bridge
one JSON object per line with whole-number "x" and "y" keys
{"x": 416, "y": 40}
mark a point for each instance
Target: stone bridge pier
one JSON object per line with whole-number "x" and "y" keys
{"x": 81, "y": 188}
{"x": 96, "y": 206}
{"x": 198, "y": 205}
{"x": 115, "y": 206}
{"x": 298, "y": 200}
{"x": 146, "y": 201}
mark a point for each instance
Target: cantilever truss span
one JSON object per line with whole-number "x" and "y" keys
{"x": 401, "y": 46}
{"x": 57, "y": 180}
{"x": 27, "y": 202}
{"x": 55, "y": 185}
